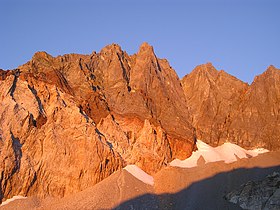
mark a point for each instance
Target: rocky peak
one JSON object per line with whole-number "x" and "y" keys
{"x": 145, "y": 48}
{"x": 211, "y": 96}
{"x": 111, "y": 49}
{"x": 258, "y": 115}
{"x": 206, "y": 70}
{"x": 272, "y": 68}
{"x": 265, "y": 90}
{"x": 270, "y": 72}
{"x": 146, "y": 56}
{"x": 226, "y": 109}
{"x": 79, "y": 118}
{"x": 140, "y": 84}
{"x": 146, "y": 63}
{"x": 201, "y": 78}
{"x": 126, "y": 86}
{"x": 206, "y": 76}
{"x": 266, "y": 81}
{"x": 42, "y": 55}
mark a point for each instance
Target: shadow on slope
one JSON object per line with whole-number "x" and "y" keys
{"x": 204, "y": 194}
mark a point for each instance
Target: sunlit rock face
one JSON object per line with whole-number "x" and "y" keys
{"x": 225, "y": 109}
{"x": 68, "y": 122}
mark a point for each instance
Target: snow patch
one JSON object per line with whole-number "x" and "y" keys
{"x": 140, "y": 174}
{"x": 227, "y": 152}
{"x": 16, "y": 197}
{"x": 255, "y": 152}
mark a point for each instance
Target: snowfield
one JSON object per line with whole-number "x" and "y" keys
{"x": 16, "y": 197}
{"x": 227, "y": 152}
{"x": 140, "y": 174}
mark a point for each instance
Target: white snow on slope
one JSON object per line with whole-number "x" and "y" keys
{"x": 140, "y": 174}
{"x": 226, "y": 152}
{"x": 16, "y": 197}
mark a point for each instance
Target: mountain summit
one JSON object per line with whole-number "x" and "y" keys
{"x": 70, "y": 121}
{"x": 226, "y": 109}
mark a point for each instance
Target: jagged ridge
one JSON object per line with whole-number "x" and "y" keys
{"x": 68, "y": 122}
{"x": 79, "y": 118}
{"x": 227, "y": 109}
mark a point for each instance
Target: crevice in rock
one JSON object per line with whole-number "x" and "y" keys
{"x": 64, "y": 83}
{"x": 16, "y": 145}
{"x": 40, "y": 105}
{"x": 41, "y": 120}
{"x": 106, "y": 143}
{"x": 83, "y": 113}
{"x": 80, "y": 64}
{"x": 32, "y": 121}
{"x": 32, "y": 182}
{"x": 1, "y": 188}
{"x": 99, "y": 133}
{"x": 12, "y": 89}
{"x": 125, "y": 73}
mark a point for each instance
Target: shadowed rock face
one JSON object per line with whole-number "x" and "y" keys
{"x": 68, "y": 122}
{"x": 4, "y": 74}
{"x": 226, "y": 109}
{"x": 263, "y": 194}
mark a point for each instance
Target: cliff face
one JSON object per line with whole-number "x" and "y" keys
{"x": 258, "y": 119}
{"x": 48, "y": 146}
{"x": 68, "y": 122}
{"x": 226, "y": 109}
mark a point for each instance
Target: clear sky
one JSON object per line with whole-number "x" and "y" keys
{"x": 240, "y": 36}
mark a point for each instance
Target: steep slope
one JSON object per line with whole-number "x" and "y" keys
{"x": 212, "y": 97}
{"x": 226, "y": 109}
{"x": 118, "y": 187}
{"x": 68, "y": 122}
{"x": 48, "y": 147}
{"x": 257, "y": 122}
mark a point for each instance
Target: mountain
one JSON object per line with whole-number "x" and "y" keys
{"x": 212, "y": 96}
{"x": 258, "y": 119}
{"x": 226, "y": 109}
{"x": 68, "y": 122}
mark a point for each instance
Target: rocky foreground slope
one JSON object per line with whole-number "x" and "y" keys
{"x": 68, "y": 122}
{"x": 206, "y": 186}
{"x": 261, "y": 194}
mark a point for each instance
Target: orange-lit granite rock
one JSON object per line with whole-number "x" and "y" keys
{"x": 68, "y": 122}
{"x": 226, "y": 109}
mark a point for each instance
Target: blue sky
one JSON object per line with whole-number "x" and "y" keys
{"x": 240, "y": 36}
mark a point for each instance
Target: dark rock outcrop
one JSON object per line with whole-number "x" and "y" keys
{"x": 258, "y": 195}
